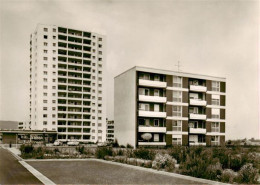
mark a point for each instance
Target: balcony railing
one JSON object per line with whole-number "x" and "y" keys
{"x": 197, "y": 144}
{"x": 198, "y": 130}
{"x": 152, "y": 99}
{"x": 152, "y": 129}
{"x": 150, "y": 83}
{"x": 152, "y": 114}
{"x": 198, "y": 88}
{"x": 198, "y": 102}
{"x": 198, "y": 116}
{"x": 152, "y": 143}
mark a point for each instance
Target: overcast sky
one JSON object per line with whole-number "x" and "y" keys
{"x": 218, "y": 38}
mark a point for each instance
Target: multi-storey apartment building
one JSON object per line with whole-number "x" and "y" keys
{"x": 162, "y": 108}
{"x": 66, "y": 83}
{"x": 110, "y": 131}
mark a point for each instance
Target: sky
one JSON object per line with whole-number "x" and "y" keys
{"x": 211, "y": 37}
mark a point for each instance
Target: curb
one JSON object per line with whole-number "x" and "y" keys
{"x": 204, "y": 181}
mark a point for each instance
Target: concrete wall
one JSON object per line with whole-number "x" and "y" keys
{"x": 125, "y": 107}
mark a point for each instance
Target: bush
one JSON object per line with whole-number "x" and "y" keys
{"x": 129, "y": 146}
{"x": 104, "y": 151}
{"x": 248, "y": 174}
{"x": 144, "y": 154}
{"x": 26, "y": 149}
{"x": 214, "y": 171}
{"x": 80, "y": 149}
{"x": 228, "y": 175}
{"x": 164, "y": 161}
{"x": 115, "y": 143}
{"x": 119, "y": 152}
{"x": 122, "y": 146}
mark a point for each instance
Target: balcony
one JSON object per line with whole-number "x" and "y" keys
{"x": 198, "y": 102}
{"x": 156, "y": 99}
{"x": 198, "y": 130}
{"x": 150, "y": 83}
{"x": 152, "y": 129}
{"x": 198, "y": 116}
{"x": 152, "y": 143}
{"x": 198, "y": 88}
{"x": 152, "y": 114}
{"x": 197, "y": 144}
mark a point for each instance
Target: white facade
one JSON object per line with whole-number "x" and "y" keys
{"x": 66, "y": 83}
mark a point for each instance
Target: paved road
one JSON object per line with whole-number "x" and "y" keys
{"x": 12, "y": 172}
{"x": 95, "y": 172}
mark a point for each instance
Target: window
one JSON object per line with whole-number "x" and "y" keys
{"x": 156, "y": 123}
{"x": 99, "y": 131}
{"x": 144, "y": 76}
{"x": 45, "y": 65}
{"x": 45, "y": 79}
{"x": 215, "y": 113}
{"x": 176, "y": 141}
{"x": 54, "y": 51}
{"x": 99, "y": 98}
{"x": 215, "y": 86}
{"x": 93, "y": 124}
{"x": 156, "y": 78}
{"x": 100, "y": 46}
{"x": 93, "y": 131}
{"x": 100, "y": 52}
{"x": 99, "y": 85}
{"x": 54, "y": 29}
{"x": 53, "y": 101}
{"x": 53, "y": 108}
{"x": 54, "y": 66}
{"x": 99, "y": 59}
{"x": 156, "y": 108}
{"x": 99, "y": 39}
{"x": 156, "y": 137}
{"x": 45, "y": 58}
{"x": 144, "y": 107}
{"x": 45, "y": 36}
{"x": 214, "y": 140}
{"x": 45, "y": 72}
{"x": 53, "y": 80}
{"x": 53, "y": 123}
{"x": 45, "y": 44}
{"x": 53, "y": 87}
{"x": 194, "y": 96}
{"x": 99, "y": 72}
{"x": 45, "y": 29}
{"x": 143, "y": 91}
{"x": 45, "y": 115}
{"x": 193, "y": 110}
{"x": 99, "y": 78}
{"x": 177, "y": 81}
{"x": 54, "y": 44}
{"x": 177, "y": 111}
{"x": 54, "y": 59}
{"x": 54, "y": 37}
{"x": 45, "y": 51}
{"x": 45, "y": 94}
{"x": 99, "y": 118}
{"x": 45, "y": 87}
{"x": 45, "y": 123}
{"x": 100, "y": 124}
{"x": 215, "y": 99}
{"x": 177, "y": 125}
{"x": 215, "y": 127}
{"x": 53, "y": 94}
{"x": 44, "y": 108}
{"x": 54, "y": 115}
{"x": 156, "y": 92}
{"x": 177, "y": 96}
{"x": 45, "y": 101}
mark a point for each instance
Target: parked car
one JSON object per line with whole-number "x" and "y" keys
{"x": 73, "y": 143}
{"x": 57, "y": 143}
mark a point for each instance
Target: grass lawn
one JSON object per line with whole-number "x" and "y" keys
{"x": 95, "y": 172}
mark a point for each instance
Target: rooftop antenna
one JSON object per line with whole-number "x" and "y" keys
{"x": 179, "y": 66}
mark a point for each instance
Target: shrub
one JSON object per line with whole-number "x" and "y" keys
{"x": 80, "y": 149}
{"x": 228, "y": 175}
{"x": 144, "y": 154}
{"x": 56, "y": 150}
{"x": 129, "y": 146}
{"x": 115, "y": 143}
{"x": 119, "y": 152}
{"x": 26, "y": 149}
{"x": 164, "y": 161}
{"x": 214, "y": 171}
{"x": 248, "y": 174}
{"x": 104, "y": 151}
{"x": 122, "y": 146}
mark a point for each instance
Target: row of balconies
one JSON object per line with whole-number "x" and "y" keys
{"x": 159, "y": 99}
{"x": 160, "y": 84}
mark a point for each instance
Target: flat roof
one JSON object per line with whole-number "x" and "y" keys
{"x": 174, "y": 73}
